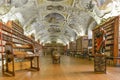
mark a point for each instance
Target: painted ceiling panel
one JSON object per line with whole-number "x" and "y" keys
{"x": 69, "y": 2}
{"x": 40, "y": 1}
{"x": 103, "y": 3}
{"x": 58, "y": 20}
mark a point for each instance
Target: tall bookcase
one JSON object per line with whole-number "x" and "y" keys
{"x": 49, "y": 47}
{"x": 82, "y": 44}
{"x": 5, "y": 35}
{"x": 112, "y": 28}
{"x": 79, "y": 46}
{"x": 13, "y": 33}
{"x": 72, "y": 47}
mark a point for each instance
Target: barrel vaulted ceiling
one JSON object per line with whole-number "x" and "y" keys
{"x": 58, "y": 20}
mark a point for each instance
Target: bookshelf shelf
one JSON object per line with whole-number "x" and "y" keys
{"x": 112, "y": 28}
{"x": 12, "y": 34}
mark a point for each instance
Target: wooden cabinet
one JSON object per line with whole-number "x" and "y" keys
{"x": 112, "y": 28}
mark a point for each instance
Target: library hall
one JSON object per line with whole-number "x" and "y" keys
{"x": 59, "y": 40}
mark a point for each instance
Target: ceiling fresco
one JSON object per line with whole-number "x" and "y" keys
{"x": 58, "y": 20}
{"x": 54, "y": 18}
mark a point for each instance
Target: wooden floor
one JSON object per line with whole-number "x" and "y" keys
{"x": 69, "y": 69}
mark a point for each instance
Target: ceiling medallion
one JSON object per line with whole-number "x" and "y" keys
{"x": 50, "y": 7}
{"x": 54, "y": 30}
{"x": 71, "y": 26}
{"x": 90, "y": 6}
{"x": 54, "y": 26}
{"x": 4, "y": 9}
{"x": 59, "y": 7}
{"x": 54, "y": 18}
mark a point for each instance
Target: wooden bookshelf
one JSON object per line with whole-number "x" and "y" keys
{"x": 23, "y": 55}
{"x": 15, "y": 27}
{"x": 72, "y": 48}
{"x": 5, "y": 35}
{"x": 49, "y": 47}
{"x": 82, "y": 45}
{"x": 13, "y": 33}
{"x": 37, "y": 47}
{"x": 112, "y": 28}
